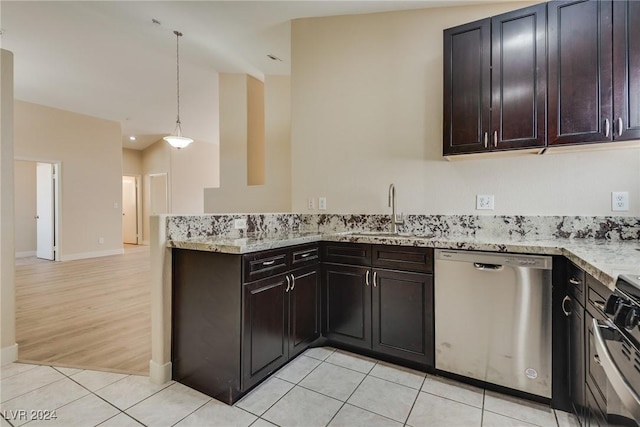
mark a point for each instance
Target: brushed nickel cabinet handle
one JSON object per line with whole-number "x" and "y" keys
{"x": 288, "y": 283}
{"x": 606, "y": 127}
{"x": 375, "y": 278}
{"x": 574, "y": 281}
{"x": 486, "y": 139}
{"x": 495, "y": 138}
{"x": 619, "y": 126}
{"x": 599, "y": 305}
{"x": 273, "y": 261}
{"x": 293, "y": 281}
{"x": 564, "y": 302}
{"x": 366, "y": 280}
{"x": 305, "y": 255}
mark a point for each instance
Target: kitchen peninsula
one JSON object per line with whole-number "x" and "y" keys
{"x": 601, "y": 246}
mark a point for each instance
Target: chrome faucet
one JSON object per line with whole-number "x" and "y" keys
{"x": 392, "y": 204}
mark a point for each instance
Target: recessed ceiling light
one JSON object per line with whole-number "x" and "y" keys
{"x": 132, "y": 138}
{"x": 273, "y": 57}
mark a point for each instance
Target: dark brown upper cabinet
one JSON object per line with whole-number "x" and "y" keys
{"x": 594, "y": 71}
{"x": 495, "y": 83}
{"x": 626, "y": 70}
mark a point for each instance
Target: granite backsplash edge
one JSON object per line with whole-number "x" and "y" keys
{"x": 184, "y": 227}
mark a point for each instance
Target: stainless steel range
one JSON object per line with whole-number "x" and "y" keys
{"x": 618, "y": 348}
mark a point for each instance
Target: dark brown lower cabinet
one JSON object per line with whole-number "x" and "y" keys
{"x": 576, "y": 360}
{"x": 347, "y": 302}
{"x": 265, "y": 328}
{"x": 402, "y": 315}
{"x": 227, "y": 335}
{"x": 387, "y": 311}
{"x": 280, "y": 321}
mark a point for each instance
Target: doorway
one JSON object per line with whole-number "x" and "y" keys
{"x": 37, "y": 209}
{"x": 131, "y": 214}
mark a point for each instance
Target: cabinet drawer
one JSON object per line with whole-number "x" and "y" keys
{"x": 597, "y": 295}
{"x": 576, "y": 282}
{"x": 346, "y": 253}
{"x": 304, "y": 255}
{"x": 265, "y": 263}
{"x": 406, "y": 258}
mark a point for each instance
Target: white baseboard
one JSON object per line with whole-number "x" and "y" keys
{"x": 85, "y": 255}
{"x": 159, "y": 374}
{"x": 8, "y": 354}
{"x": 25, "y": 254}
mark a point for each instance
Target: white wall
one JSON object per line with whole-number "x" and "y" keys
{"x": 90, "y": 151}
{"x": 25, "y": 208}
{"x": 367, "y": 112}
{"x": 233, "y": 194}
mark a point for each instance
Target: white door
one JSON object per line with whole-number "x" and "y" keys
{"x": 129, "y": 210}
{"x": 45, "y": 211}
{"x": 159, "y": 194}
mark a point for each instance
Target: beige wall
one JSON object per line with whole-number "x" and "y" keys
{"x": 8, "y": 345}
{"x": 255, "y": 132}
{"x": 25, "y": 208}
{"x": 90, "y": 152}
{"x": 189, "y": 170}
{"x": 155, "y": 160}
{"x": 131, "y": 162}
{"x": 192, "y": 170}
{"x": 367, "y": 112}
{"x": 234, "y": 195}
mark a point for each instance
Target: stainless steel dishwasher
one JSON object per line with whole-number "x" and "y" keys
{"x": 493, "y": 318}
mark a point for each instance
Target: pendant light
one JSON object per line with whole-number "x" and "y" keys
{"x": 176, "y": 139}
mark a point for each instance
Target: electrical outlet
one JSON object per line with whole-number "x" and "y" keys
{"x": 619, "y": 201}
{"x": 322, "y": 203}
{"x": 311, "y": 203}
{"x": 101, "y": 240}
{"x": 115, "y": 205}
{"x": 240, "y": 223}
{"x": 484, "y": 202}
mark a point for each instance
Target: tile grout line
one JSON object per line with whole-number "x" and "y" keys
{"x": 406, "y": 420}
{"x": 349, "y": 397}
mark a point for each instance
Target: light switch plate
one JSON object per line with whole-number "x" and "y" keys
{"x": 311, "y": 204}
{"x": 619, "y": 200}
{"x": 484, "y": 202}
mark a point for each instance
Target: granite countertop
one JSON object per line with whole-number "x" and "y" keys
{"x": 603, "y": 259}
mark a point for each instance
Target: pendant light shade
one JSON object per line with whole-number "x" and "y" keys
{"x": 176, "y": 139}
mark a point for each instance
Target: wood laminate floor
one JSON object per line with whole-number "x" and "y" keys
{"x": 91, "y": 314}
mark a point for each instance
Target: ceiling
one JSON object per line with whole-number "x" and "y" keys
{"x": 108, "y": 59}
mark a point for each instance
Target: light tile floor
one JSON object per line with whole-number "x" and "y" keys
{"x": 322, "y": 387}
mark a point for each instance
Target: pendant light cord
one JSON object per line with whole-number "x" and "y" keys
{"x": 178, "y": 35}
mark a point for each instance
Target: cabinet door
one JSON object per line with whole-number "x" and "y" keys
{"x": 265, "y": 331}
{"x": 626, "y": 69}
{"x": 347, "y": 299}
{"x": 519, "y": 78}
{"x": 304, "y": 313}
{"x": 576, "y": 360}
{"x": 467, "y": 92}
{"x": 403, "y": 315}
{"x": 580, "y": 75}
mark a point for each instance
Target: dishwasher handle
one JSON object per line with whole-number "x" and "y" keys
{"x": 487, "y": 267}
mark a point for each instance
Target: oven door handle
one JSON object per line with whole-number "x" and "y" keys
{"x": 629, "y": 398}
